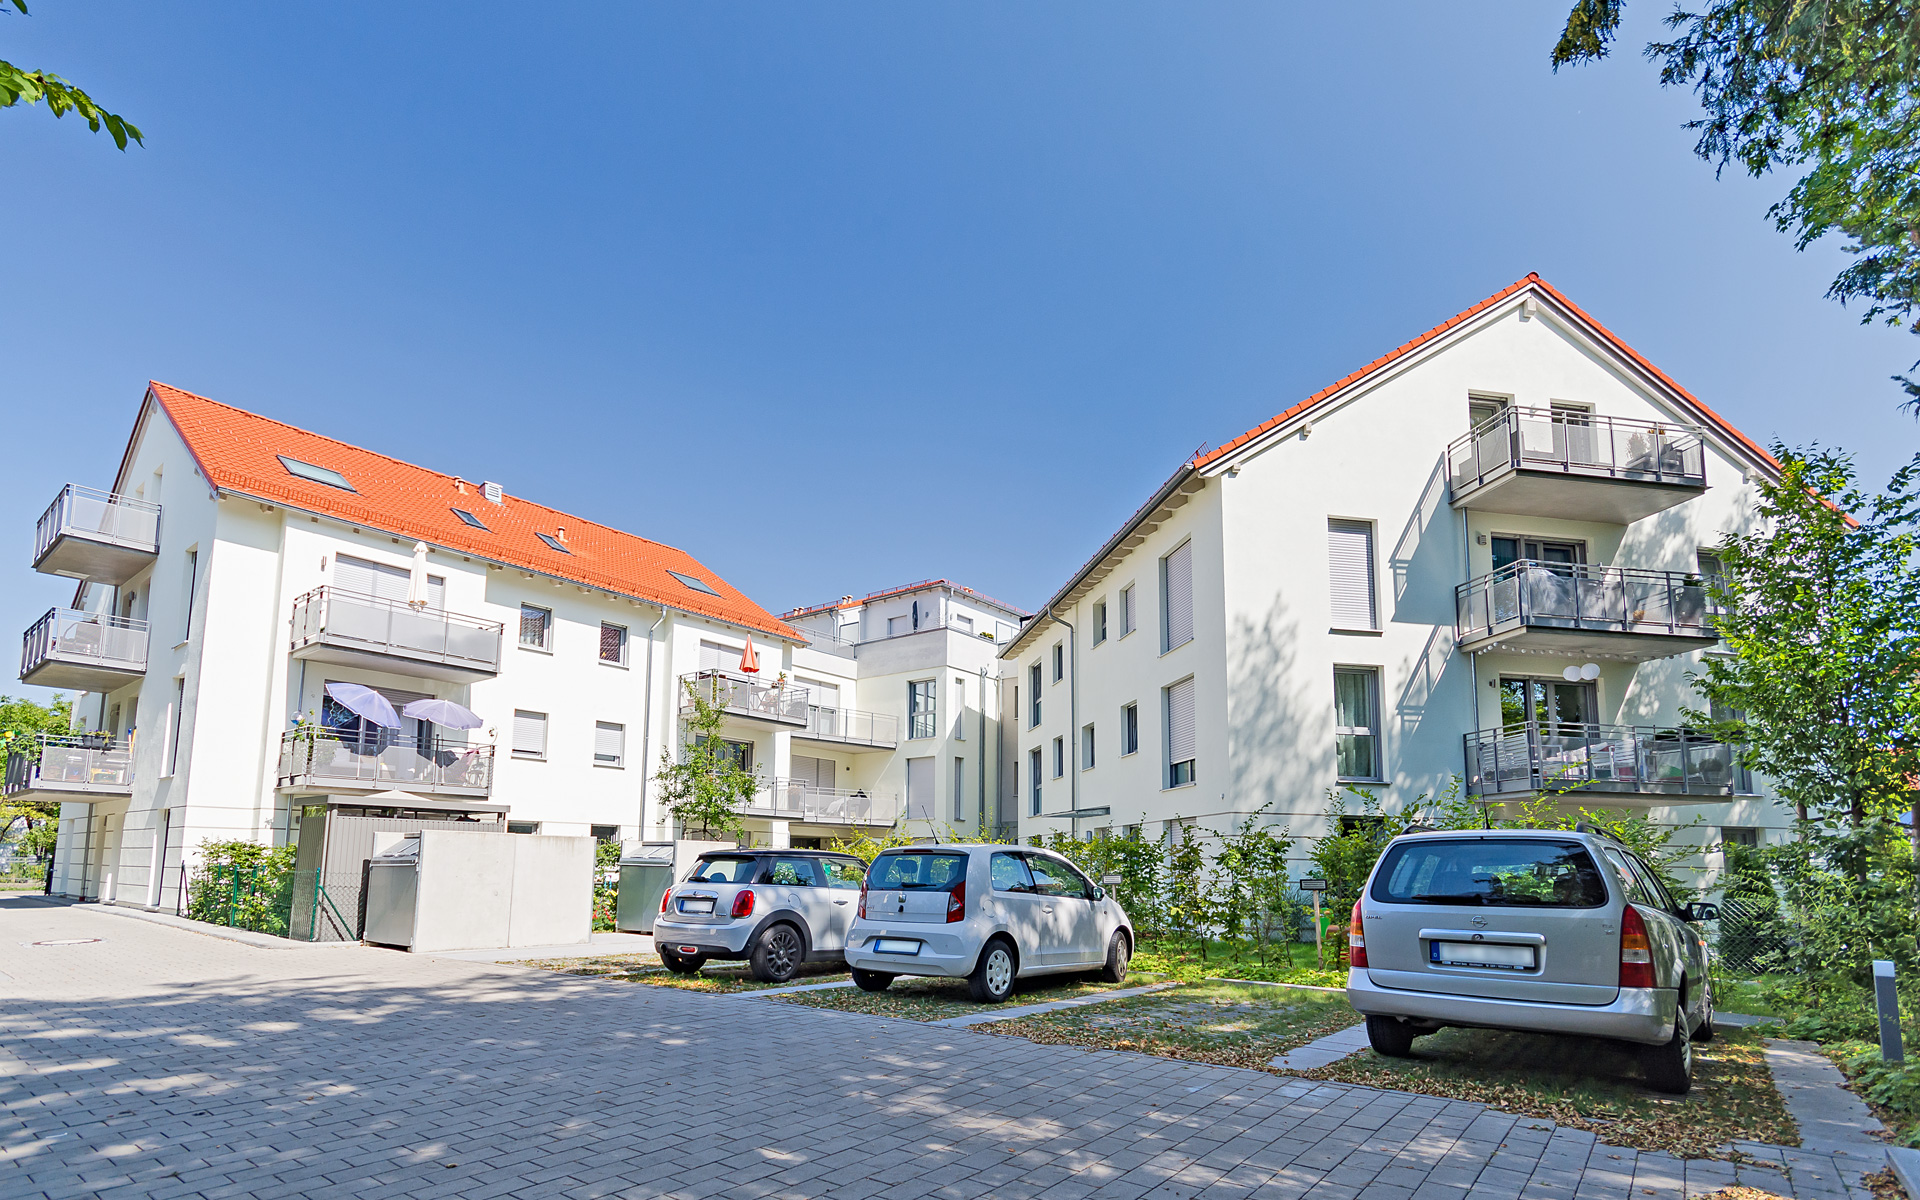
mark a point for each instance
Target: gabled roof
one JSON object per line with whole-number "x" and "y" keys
{"x": 796, "y": 614}
{"x": 239, "y": 453}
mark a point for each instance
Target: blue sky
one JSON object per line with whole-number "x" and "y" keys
{"x": 840, "y": 296}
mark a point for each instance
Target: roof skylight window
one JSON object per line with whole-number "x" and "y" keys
{"x": 470, "y": 519}
{"x": 307, "y": 471}
{"x": 552, "y": 542}
{"x": 695, "y": 584}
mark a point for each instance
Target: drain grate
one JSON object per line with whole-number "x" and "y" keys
{"x": 65, "y": 942}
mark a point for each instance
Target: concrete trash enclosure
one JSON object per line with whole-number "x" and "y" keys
{"x": 458, "y": 889}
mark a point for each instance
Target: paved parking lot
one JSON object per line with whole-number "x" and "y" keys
{"x": 164, "y": 1063}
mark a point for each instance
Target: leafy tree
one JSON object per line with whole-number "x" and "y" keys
{"x": 1251, "y": 890}
{"x": 1829, "y": 88}
{"x": 1822, "y": 682}
{"x": 19, "y": 86}
{"x": 705, "y": 787}
{"x": 1190, "y": 905}
{"x": 22, "y": 721}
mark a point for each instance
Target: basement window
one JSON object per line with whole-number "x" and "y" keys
{"x": 307, "y": 471}
{"x": 695, "y": 584}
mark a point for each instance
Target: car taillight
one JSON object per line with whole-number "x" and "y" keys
{"x": 957, "y": 902}
{"x": 1636, "y": 952}
{"x": 665, "y": 898}
{"x": 743, "y": 903}
{"x": 863, "y": 901}
{"x": 1356, "y": 940}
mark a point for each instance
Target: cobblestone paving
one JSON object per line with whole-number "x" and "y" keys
{"x": 162, "y": 1063}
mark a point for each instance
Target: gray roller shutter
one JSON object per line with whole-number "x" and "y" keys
{"x": 529, "y": 733}
{"x": 1177, "y": 590}
{"x": 367, "y": 578}
{"x": 1180, "y": 721}
{"x": 1350, "y": 572}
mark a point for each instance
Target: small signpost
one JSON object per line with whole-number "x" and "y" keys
{"x": 1314, "y": 887}
{"x": 1888, "y": 1003}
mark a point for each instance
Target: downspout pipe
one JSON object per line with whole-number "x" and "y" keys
{"x": 1073, "y": 717}
{"x": 646, "y": 732}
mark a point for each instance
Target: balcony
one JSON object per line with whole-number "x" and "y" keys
{"x": 324, "y": 761}
{"x": 83, "y": 651}
{"x": 355, "y": 630}
{"x": 797, "y": 800}
{"x": 72, "y": 767}
{"x": 850, "y": 728}
{"x": 1553, "y": 463}
{"x": 1580, "y": 611}
{"x": 95, "y": 535}
{"x": 1615, "y": 761}
{"x": 775, "y": 704}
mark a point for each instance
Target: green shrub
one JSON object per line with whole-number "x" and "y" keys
{"x": 244, "y": 885}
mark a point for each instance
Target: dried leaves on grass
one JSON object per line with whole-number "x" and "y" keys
{"x": 648, "y": 969}
{"x": 931, "y": 999}
{"x": 1884, "y": 1185}
{"x": 1229, "y": 1025}
{"x": 1742, "y": 1193}
{"x": 1589, "y": 1084}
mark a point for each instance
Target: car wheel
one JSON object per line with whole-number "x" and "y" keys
{"x": 680, "y": 964}
{"x": 1669, "y": 1067}
{"x": 992, "y": 978}
{"x": 871, "y": 981}
{"x": 1118, "y": 955}
{"x": 1705, "y": 1032}
{"x": 1389, "y": 1037}
{"x": 777, "y": 954}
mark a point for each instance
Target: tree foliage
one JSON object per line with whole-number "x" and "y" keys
{"x": 704, "y": 786}
{"x": 21, "y": 86}
{"x": 22, "y": 721}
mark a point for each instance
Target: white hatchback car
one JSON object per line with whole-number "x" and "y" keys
{"x": 984, "y": 913}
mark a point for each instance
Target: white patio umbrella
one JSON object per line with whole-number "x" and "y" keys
{"x": 443, "y": 712}
{"x": 417, "y": 580}
{"x": 365, "y": 703}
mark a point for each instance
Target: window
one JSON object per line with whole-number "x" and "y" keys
{"x": 1033, "y": 781}
{"x": 1481, "y": 409}
{"x": 613, "y": 644}
{"x": 1128, "y": 620}
{"x": 469, "y": 519}
{"x": 1086, "y": 747}
{"x": 1033, "y": 693}
{"x": 792, "y": 872}
{"x": 604, "y": 833}
{"x": 609, "y": 744}
{"x": 1176, "y": 598}
{"x": 1714, "y": 576}
{"x": 1059, "y": 756}
{"x": 173, "y": 739}
{"x": 523, "y": 827}
{"x": 960, "y": 708}
{"x": 536, "y": 627}
{"x": 695, "y": 584}
{"x": 383, "y": 581}
{"x": 313, "y": 474}
{"x": 553, "y": 543}
{"x": 1179, "y": 706}
{"x": 920, "y": 709}
{"x": 529, "y": 734}
{"x": 1010, "y": 872}
{"x": 739, "y": 753}
{"x": 1739, "y": 835}
{"x": 844, "y": 874}
{"x": 1356, "y": 722}
{"x": 959, "y": 789}
{"x": 193, "y": 586}
{"x": 1051, "y": 877}
{"x": 1129, "y": 729}
{"x": 1490, "y": 873}
{"x": 1099, "y": 621}
{"x": 1059, "y": 661}
{"x": 1350, "y": 574}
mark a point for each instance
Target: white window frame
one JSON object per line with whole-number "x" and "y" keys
{"x": 1087, "y": 747}
{"x": 1033, "y": 701}
{"x": 959, "y": 787}
{"x": 1099, "y": 620}
{"x": 626, "y": 640}
{"x": 931, "y": 713}
{"x": 1129, "y": 611}
{"x": 546, "y": 736}
{"x": 1373, "y": 732}
{"x": 1034, "y": 781}
{"x": 545, "y": 644}
{"x": 1372, "y": 571}
{"x": 193, "y": 588}
{"x": 1059, "y": 756}
{"x": 1059, "y": 661}
{"x": 619, "y": 761}
{"x": 1129, "y": 728}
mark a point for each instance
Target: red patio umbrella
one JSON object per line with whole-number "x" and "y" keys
{"x": 749, "y": 661}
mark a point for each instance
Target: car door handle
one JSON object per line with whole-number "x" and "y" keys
{"x": 1046, "y": 908}
{"x": 839, "y": 901}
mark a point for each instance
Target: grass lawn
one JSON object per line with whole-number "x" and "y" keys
{"x": 1590, "y": 1084}
{"x": 714, "y": 977}
{"x": 1742, "y": 996}
{"x": 1233, "y": 1025}
{"x": 928, "y": 999}
{"x": 1183, "y": 960}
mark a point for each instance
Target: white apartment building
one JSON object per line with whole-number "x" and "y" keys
{"x": 1479, "y": 557}
{"x": 241, "y": 578}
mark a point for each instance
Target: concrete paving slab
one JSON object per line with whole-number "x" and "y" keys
{"x": 1828, "y": 1114}
{"x": 1324, "y": 1051}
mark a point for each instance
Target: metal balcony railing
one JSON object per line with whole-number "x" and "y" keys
{"x": 383, "y": 759}
{"x": 77, "y": 763}
{"x": 100, "y": 517}
{"x": 798, "y": 800}
{"x": 1603, "y": 758}
{"x": 782, "y": 703}
{"x": 354, "y": 621}
{"x": 851, "y": 726}
{"x": 89, "y": 641}
{"x": 1575, "y": 443}
{"x": 1574, "y": 596}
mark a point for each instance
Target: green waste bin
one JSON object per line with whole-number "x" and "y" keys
{"x": 646, "y": 872}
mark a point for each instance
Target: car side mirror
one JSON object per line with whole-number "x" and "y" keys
{"x": 1698, "y": 911}
{"x": 1099, "y": 893}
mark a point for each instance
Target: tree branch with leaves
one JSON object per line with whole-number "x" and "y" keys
{"x": 705, "y": 786}
{"x": 21, "y": 86}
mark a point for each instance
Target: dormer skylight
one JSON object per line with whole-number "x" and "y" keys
{"x": 553, "y": 543}
{"x": 307, "y": 471}
{"x": 695, "y": 584}
{"x": 470, "y": 519}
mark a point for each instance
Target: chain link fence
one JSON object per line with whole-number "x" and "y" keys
{"x": 1752, "y": 937}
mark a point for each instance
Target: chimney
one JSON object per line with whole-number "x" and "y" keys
{"x": 560, "y": 531}
{"x": 491, "y": 491}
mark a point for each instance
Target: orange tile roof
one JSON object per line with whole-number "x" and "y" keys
{"x": 794, "y": 614}
{"x": 1532, "y": 280}
{"x": 237, "y": 452}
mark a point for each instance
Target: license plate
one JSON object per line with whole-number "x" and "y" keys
{"x": 696, "y": 906}
{"x": 896, "y": 946}
{"x": 1482, "y": 954}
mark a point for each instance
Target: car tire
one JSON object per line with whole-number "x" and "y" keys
{"x": 1119, "y": 954}
{"x": 871, "y": 981}
{"x": 680, "y": 964}
{"x": 1669, "y": 1066}
{"x": 777, "y": 953}
{"x": 1705, "y": 1032}
{"x": 992, "y": 977}
{"x": 1391, "y": 1038}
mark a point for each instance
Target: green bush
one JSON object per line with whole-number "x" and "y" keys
{"x": 243, "y": 885}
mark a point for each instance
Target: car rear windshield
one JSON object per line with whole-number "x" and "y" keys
{"x": 1491, "y": 872}
{"x": 917, "y": 870}
{"x": 724, "y": 870}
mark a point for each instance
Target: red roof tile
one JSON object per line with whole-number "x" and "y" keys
{"x": 238, "y": 452}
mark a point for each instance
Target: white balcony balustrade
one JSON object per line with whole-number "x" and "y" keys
{"x": 850, "y": 728}
{"x": 83, "y": 651}
{"x": 99, "y": 536}
{"x": 383, "y": 760}
{"x": 71, "y": 766}
{"x": 352, "y": 629}
{"x": 755, "y": 700}
{"x": 1580, "y": 466}
{"x": 798, "y": 800}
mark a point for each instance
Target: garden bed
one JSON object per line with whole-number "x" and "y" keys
{"x": 1227, "y": 1024}
{"x": 1184, "y": 960}
{"x": 713, "y": 978}
{"x": 928, "y": 999}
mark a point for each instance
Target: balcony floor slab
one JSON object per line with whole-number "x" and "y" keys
{"x": 85, "y": 676}
{"x": 1575, "y": 495}
{"x": 98, "y": 558}
{"x": 396, "y": 660}
{"x": 1610, "y": 645}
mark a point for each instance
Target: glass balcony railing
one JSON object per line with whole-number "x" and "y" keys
{"x": 320, "y": 758}
{"x": 90, "y": 534}
{"x": 1643, "y": 759}
{"x": 1567, "y": 442}
{"x": 798, "y": 800}
{"x": 72, "y": 763}
{"x": 850, "y": 726}
{"x": 1529, "y": 596}
{"x": 335, "y": 625}
{"x": 780, "y": 703}
{"x": 90, "y": 651}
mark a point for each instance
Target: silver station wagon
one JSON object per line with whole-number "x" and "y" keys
{"x": 1542, "y": 930}
{"x": 984, "y": 913}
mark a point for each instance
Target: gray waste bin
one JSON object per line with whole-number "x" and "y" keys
{"x": 393, "y": 885}
{"x": 646, "y": 872}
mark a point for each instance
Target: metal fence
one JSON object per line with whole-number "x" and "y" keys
{"x": 242, "y": 898}
{"x": 1577, "y": 596}
{"x": 1753, "y": 937}
{"x": 1576, "y": 443}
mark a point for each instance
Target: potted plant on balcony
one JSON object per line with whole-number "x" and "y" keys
{"x": 311, "y": 751}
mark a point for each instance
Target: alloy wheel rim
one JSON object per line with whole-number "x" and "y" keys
{"x": 780, "y": 952}
{"x": 999, "y": 971}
